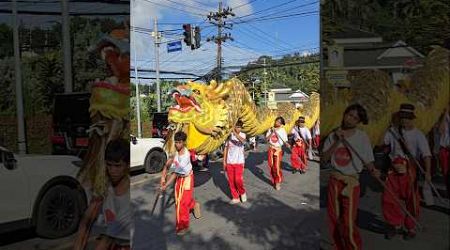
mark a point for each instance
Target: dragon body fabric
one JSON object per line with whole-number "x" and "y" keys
{"x": 109, "y": 107}
{"x": 207, "y": 114}
{"x": 427, "y": 88}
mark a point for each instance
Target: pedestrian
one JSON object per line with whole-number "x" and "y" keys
{"x": 111, "y": 214}
{"x": 277, "y": 137}
{"x": 301, "y": 144}
{"x": 347, "y": 162}
{"x": 253, "y": 142}
{"x": 405, "y": 143}
{"x": 199, "y": 162}
{"x": 444, "y": 146}
{"x": 183, "y": 176}
{"x": 233, "y": 163}
{"x": 316, "y": 135}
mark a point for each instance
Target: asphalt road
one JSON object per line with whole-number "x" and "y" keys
{"x": 285, "y": 219}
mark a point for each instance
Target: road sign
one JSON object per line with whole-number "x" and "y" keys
{"x": 338, "y": 78}
{"x": 335, "y": 56}
{"x": 174, "y": 46}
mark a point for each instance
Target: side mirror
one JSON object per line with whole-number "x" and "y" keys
{"x": 134, "y": 140}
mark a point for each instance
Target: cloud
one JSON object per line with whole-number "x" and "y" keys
{"x": 198, "y": 61}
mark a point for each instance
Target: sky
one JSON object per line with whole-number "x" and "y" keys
{"x": 290, "y": 32}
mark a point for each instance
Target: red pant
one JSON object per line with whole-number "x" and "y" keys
{"x": 316, "y": 141}
{"x": 275, "y": 157}
{"x": 444, "y": 154}
{"x": 406, "y": 190}
{"x": 184, "y": 201}
{"x": 236, "y": 179}
{"x": 298, "y": 156}
{"x": 342, "y": 213}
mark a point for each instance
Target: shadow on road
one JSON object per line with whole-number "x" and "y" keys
{"x": 16, "y": 236}
{"x": 368, "y": 221}
{"x": 158, "y": 231}
{"x": 282, "y": 228}
{"x": 252, "y": 161}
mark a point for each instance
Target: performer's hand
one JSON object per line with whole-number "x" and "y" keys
{"x": 163, "y": 187}
{"x": 340, "y": 134}
{"x": 428, "y": 176}
{"x": 376, "y": 173}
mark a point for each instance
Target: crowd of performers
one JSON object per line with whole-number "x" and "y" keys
{"x": 348, "y": 151}
{"x": 180, "y": 165}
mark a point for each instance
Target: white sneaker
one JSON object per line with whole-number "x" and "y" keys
{"x": 244, "y": 197}
{"x": 234, "y": 201}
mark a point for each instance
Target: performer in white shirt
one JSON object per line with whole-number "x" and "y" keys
{"x": 233, "y": 163}
{"x": 444, "y": 146}
{"x": 277, "y": 137}
{"x": 402, "y": 175}
{"x": 301, "y": 144}
{"x": 343, "y": 185}
{"x": 184, "y": 184}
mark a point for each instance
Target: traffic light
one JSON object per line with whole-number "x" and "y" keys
{"x": 197, "y": 37}
{"x": 187, "y": 34}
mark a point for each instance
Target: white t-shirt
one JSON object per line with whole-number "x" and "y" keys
{"x": 182, "y": 163}
{"x": 235, "y": 149}
{"x": 115, "y": 218}
{"x": 345, "y": 159}
{"x": 277, "y": 139}
{"x": 316, "y": 130}
{"x": 301, "y": 133}
{"x": 444, "y": 140}
{"x": 416, "y": 142}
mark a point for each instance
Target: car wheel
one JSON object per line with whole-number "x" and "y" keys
{"x": 59, "y": 212}
{"x": 154, "y": 162}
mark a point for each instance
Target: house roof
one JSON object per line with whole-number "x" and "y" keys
{"x": 380, "y": 55}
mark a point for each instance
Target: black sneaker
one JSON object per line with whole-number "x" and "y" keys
{"x": 409, "y": 235}
{"x": 391, "y": 231}
{"x": 294, "y": 171}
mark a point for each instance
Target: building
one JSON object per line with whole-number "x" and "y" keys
{"x": 283, "y": 94}
{"x": 354, "y": 50}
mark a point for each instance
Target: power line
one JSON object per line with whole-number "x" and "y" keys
{"x": 282, "y": 11}
{"x": 168, "y": 6}
{"x": 242, "y": 5}
{"x": 270, "y": 8}
{"x": 189, "y": 6}
{"x": 309, "y": 13}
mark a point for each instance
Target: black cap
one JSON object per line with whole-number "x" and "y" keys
{"x": 407, "y": 111}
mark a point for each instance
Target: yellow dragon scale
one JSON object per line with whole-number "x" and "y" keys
{"x": 221, "y": 106}
{"x": 429, "y": 92}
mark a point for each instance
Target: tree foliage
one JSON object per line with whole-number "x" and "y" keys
{"x": 420, "y": 23}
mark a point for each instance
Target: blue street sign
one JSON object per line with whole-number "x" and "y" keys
{"x": 174, "y": 46}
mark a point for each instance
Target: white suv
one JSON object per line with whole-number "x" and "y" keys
{"x": 40, "y": 191}
{"x": 148, "y": 154}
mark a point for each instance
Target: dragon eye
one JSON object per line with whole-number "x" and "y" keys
{"x": 196, "y": 91}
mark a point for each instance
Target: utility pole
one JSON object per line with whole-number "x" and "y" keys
{"x": 157, "y": 42}
{"x": 265, "y": 82}
{"x": 21, "y": 139}
{"x": 219, "y": 44}
{"x": 66, "y": 47}
{"x": 138, "y": 96}
{"x": 218, "y": 17}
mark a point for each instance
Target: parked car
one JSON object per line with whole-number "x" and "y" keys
{"x": 40, "y": 192}
{"x": 159, "y": 124}
{"x": 71, "y": 120}
{"x": 148, "y": 154}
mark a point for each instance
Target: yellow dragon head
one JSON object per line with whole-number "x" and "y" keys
{"x": 200, "y": 111}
